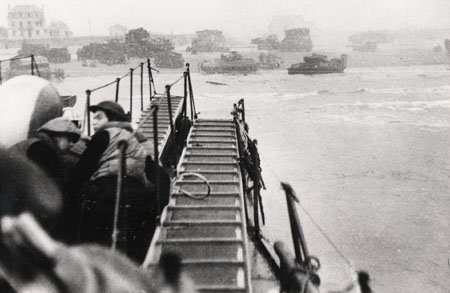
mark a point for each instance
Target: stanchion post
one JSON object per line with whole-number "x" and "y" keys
{"x": 88, "y": 104}
{"x": 185, "y": 95}
{"x": 149, "y": 78}
{"x": 32, "y": 64}
{"x": 117, "y": 89}
{"x": 131, "y": 94}
{"x": 142, "y": 85}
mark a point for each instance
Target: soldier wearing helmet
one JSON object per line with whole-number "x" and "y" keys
{"x": 97, "y": 171}
{"x": 47, "y": 146}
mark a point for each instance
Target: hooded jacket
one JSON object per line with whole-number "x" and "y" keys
{"x": 135, "y": 154}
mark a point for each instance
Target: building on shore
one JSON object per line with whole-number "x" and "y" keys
{"x": 26, "y": 22}
{"x": 3, "y": 33}
{"x": 58, "y": 29}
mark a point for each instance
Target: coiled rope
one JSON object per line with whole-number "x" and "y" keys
{"x": 187, "y": 193}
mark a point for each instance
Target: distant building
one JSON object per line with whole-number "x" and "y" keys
{"x": 117, "y": 31}
{"x": 280, "y": 23}
{"x": 58, "y": 29}
{"x": 26, "y": 22}
{"x": 3, "y": 33}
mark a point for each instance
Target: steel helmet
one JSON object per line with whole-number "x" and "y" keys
{"x": 26, "y": 103}
{"x": 115, "y": 111}
{"x": 61, "y": 125}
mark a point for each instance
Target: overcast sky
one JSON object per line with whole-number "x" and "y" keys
{"x": 238, "y": 17}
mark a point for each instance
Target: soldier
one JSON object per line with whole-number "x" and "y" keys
{"x": 97, "y": 170}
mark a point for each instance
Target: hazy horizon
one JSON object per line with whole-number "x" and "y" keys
{"x": 238, "y": 18}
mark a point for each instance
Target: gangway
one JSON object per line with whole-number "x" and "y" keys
{"x": 165, "y": 130}
{"x": 209, "y": 234}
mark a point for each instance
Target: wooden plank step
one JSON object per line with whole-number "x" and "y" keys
{"x": 211, "y": 143}
{"x": 202, "y": 188}
{"x": 181, "y": 199}
{"x": 225, "y": 140}
{"x": 220, "y": 289}
{"x": 217, "y": 275}
{"x": 203, "y": 214}
{"x": 214, "y": 130}
{"x": 215, "y": 176}
{"x": 201, "y": 231}
{"x": 216, "y": 135}
{"x": 198, "y": 250}
{"x": 199, "y": 168}
{"x": 201, "y": 222}
{"x": 211, "y": 151}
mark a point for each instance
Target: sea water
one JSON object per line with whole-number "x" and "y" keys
{"x": 367, "y": 152}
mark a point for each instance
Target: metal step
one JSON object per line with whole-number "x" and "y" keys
{"x": 208, "y": 234}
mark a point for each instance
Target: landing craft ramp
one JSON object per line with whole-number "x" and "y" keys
{"x": 208, "y": 234}
{"x": 163, "y": 123}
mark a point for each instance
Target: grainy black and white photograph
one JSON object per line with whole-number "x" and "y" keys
{"x": 225, "y": 146}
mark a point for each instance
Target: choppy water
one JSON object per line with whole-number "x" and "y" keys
{"x": 368, "y": 152}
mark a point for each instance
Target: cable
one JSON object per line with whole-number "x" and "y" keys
{"x": 181, "y": 176}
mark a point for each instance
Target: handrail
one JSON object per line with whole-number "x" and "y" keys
{"x": 116, "y": 98}
{"x": 142, "y": 85}
{"x": 191, "y": 94}
{"x": 33, "y": 64}
{"x": 169, "y": 105}
{"x": 131, "y": 93}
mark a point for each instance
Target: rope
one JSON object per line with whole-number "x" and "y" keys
{"x": 176, "y": 81}
{"x": 103, "y": 86}
{"x": 321, "y": 230}
{"x": 15, "y": 58}
{"x": 180, "y": 176}
{"x": 113, "y": 82}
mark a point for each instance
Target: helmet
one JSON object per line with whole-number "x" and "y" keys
{"x": 26, "y": 103}
{"x": 61, "y": 125}
{"x": 111, "y": 108}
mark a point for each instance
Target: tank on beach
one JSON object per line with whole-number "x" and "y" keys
{"x": 232, "y": 63}
{"x": 319, "y": 64}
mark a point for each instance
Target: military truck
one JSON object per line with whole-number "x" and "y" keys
{"x": 269, "y": 43}
{"x": 208, "y": 41}
{"x": 58, "y": 55}
{"x": 110, "y": 53}
{"x": 169, "y": 60}
{"x": 296, "y": 40}
{"x": 41, "y": 68}
{"x": 229, "y": 63}
{"x": 319, "y": 64}
{"x": 53, "y": 55}
{"x": 269, "y": 61}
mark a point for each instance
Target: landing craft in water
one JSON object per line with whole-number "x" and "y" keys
{"x": 213, "y": 217}
{"x": 232, "y": 63}
{"x": 318, "y": 64}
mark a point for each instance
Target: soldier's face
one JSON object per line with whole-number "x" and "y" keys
{"x": 99, "y": 119}
{"x": 63, "y": 142}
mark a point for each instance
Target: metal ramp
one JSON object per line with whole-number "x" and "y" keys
{"x": 209, "y": 235}
{"x": 164, "y": 128}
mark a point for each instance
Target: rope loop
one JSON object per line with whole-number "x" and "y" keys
{"x": 187, "y": 193}
{"x": 312, "y": 263}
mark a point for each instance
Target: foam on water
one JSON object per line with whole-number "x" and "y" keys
{"x": 367, "y": 152}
